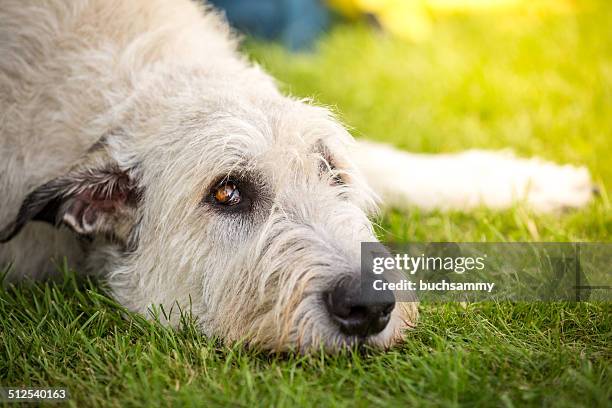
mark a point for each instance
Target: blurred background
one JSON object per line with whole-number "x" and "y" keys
{"x": 447, "y": 75}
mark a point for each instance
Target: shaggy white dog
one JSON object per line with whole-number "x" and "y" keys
{"x": 136, "y": 142}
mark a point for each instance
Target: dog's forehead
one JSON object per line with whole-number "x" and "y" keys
{"x": 277, "y": 140}
{"x": 282, "y": 134}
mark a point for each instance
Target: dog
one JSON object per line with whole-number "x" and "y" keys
{"x": 139, "y": 144}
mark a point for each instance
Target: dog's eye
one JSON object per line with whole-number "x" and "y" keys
{"x": 227, "y": 193}
{"x": 325, "y": 168}
{"x": 231, "y": 195}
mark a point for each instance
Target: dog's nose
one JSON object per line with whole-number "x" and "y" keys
{"x": 356, "y": 315}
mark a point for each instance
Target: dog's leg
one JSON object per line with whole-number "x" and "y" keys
{"x": 495, "y": 179}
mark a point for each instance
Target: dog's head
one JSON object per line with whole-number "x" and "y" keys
{"x": 243, "y": 207}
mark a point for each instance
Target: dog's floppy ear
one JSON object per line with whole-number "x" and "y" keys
{"x": 96, "y": 196}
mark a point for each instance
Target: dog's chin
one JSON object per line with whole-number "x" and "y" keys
{"x": 314, "y": 332}
{"x": 342, "y": 342}
{"x": 334, "y": 341}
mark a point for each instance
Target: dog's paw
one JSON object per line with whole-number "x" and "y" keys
{"x": 467, "y": 180}
{"x": 542, "y": 185}
{"x": 551, "y": 187}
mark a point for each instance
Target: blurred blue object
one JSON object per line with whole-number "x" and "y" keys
{"x": 296, "y": 23}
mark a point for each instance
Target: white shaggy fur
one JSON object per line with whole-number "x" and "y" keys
{"x": 117, "y": 117}
{"x": 469, "y": 179}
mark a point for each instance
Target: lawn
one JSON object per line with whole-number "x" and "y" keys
{"x": 539, "y": 84}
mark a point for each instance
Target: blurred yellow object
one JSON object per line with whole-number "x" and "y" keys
{"x": 405, "y": 18}
{"x": 411, "y": 19}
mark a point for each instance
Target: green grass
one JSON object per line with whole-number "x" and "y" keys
{"x": 484, "y": 354}
{"x": 541, "y": 85}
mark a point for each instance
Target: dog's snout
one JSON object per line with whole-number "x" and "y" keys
{"x": 356, "y": 315}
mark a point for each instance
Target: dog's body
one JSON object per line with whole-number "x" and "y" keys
{"x": 128, "y": 121}
{"x": 68, "y": 71}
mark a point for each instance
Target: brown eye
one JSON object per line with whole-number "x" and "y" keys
{"x": 227, "y": 194}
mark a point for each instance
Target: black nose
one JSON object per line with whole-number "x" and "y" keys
{"x": 353, "y": 313}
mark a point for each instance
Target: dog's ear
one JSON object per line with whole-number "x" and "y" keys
{"x": 96, "y": 196}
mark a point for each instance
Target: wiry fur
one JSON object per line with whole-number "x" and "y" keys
{"x": 155, "y": 91}
{"x": 118, "y": 116}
